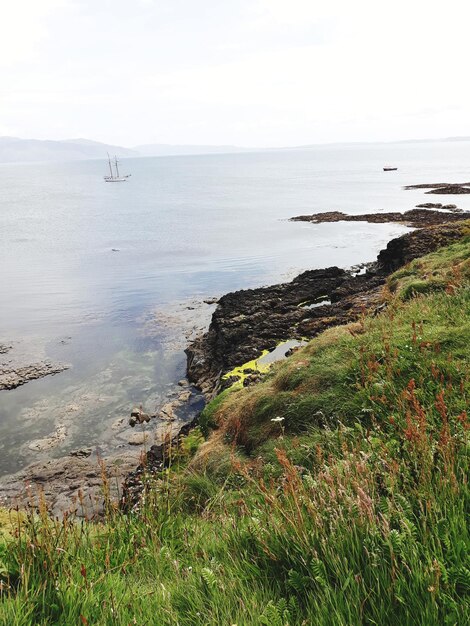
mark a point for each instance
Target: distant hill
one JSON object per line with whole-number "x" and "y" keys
{"x": 162, "y": 149}
{"x": 15, "y": 150}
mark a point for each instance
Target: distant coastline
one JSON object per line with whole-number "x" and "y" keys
{"x": 18, "y": 150}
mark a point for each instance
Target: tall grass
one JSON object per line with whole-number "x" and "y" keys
{"x": 354, "y": 512}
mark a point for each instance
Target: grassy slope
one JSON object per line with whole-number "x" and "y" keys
{"x": 352, "y": 509}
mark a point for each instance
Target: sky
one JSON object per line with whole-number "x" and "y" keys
{"x": 254, "y": 73}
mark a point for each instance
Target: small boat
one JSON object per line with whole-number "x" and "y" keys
{"x": 115, "y": 178}
{"x": 389, "y": 168}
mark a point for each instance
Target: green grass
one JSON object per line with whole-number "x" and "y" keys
{"x": 351, "y": 510}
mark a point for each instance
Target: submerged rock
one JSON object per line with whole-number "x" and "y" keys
{"x": 184, "y": 396}
{"x": 138, "y": 439}
{"x": 167, "y": 411}
{"x": 14, "y": 376}
{"x": 53, "y": 440}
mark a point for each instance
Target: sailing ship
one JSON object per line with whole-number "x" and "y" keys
{"x": 390, "y": 168}
{"x": 117, "y": 177}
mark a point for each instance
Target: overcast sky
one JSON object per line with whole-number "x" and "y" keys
{"x": 244, "y": 72}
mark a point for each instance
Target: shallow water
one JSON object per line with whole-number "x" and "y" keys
{"x": 183, "y": 229}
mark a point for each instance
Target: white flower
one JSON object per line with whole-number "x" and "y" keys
{"x": 277, "y": 419}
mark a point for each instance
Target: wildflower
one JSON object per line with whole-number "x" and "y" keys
{"x": 277, "y": 419}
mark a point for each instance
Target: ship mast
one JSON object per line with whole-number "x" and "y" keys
{"x": 116, "y": 164}
{"x": 110, "y": 168}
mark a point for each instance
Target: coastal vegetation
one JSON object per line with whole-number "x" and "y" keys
{"x": 333, "y": 492}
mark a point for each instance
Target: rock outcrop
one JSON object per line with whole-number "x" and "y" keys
{"x": 157, "y": 458}
{"x": 416, "y": 218}
{"x": 249, "y": 321}
{"x": 246, "y": 322}
{"x": 443, "y": 188}
{"x": 413, "y": 245}
{"x": 74, "y": 484}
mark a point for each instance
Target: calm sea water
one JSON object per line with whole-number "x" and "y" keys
{"x": 183, "y": 229}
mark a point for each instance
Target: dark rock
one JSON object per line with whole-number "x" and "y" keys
{"x": 138, "y": 417}
{"x": 412, "y": 245}
{"x": 292, "y": 351}
{"x": 436, "y": 185}
{"x": 443, "y": 188}
{"x": 450, "y": 189}
{"x": 154, "y": 462}
{"x": 252, "y": 379}
{"x": 247, "y": 322}
{"x": 416, "y": 218}
{"x": 225, "y": 383}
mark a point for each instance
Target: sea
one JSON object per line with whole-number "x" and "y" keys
{"x": 114, "y": 279}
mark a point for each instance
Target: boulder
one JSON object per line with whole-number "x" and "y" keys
{"x": 138, "y": 417}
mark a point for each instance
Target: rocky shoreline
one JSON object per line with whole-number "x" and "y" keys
{"x": 249, "y": 321}
{"x": 244, "y": 324}
{"x": 75, "y": 482}
{"x": 72, "y": 484}
{"x": 415, "y": 218}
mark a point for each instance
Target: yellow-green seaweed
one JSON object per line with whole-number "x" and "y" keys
{"x": 242, "y": 371}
